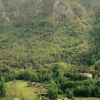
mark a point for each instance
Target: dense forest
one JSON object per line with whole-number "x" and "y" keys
{"x": 32, "y": 33}
{"x": 48, "y": 40}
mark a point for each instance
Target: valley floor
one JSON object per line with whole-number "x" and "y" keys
{"x": 23, "y": 92}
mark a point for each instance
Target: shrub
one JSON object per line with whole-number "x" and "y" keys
{"x": 52, "y": 90}
{"x": 69, "y": 93}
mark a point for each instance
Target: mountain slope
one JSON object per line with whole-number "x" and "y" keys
{"x": 34, "y": 32}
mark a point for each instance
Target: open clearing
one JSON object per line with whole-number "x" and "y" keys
{"x": 87, "y": 98}
{"x": 20, "y": 90}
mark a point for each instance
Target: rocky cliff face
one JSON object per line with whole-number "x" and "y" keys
{"x": 55, "y": 9}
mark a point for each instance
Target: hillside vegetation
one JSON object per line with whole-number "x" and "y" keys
{"x": 34, "y": 32}
{"x": 52, "y": 42}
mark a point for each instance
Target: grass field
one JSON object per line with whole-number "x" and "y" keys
{"x": 91, "y": 98}
{"x": 20, "y": 90}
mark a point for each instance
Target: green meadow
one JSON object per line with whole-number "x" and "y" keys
{"x": 90, "y": 98}
{"x": 20, "y": 90}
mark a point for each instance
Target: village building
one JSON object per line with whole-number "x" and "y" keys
{"x": 88, "y": 75}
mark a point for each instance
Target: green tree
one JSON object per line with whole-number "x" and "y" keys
{"x": 52, "y": 90}
{"x": 2, "y": 88}
{"x": 97, "y": 91}
{"x": 97, "y": 65}
{"x": 69, "y": 93}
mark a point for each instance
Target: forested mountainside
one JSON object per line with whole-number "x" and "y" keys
{"x": 52, "y": 47}
{"x": 39, "y": 32}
